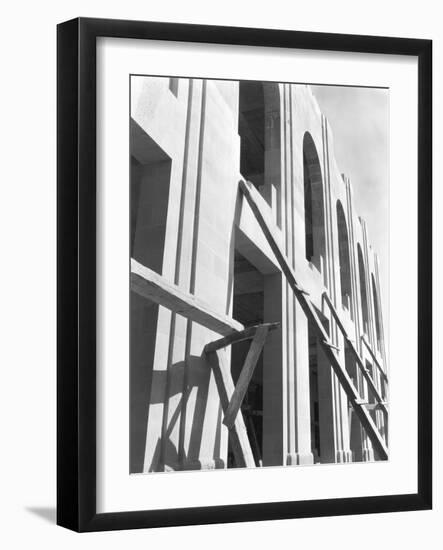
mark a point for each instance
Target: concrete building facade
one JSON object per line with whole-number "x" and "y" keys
{"x": 192, "y": 141}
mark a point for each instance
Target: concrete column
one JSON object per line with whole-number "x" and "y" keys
{"x": 368, "y": 451}
{"x": 272, "y": 188}
{"x": 333, "y": 414}
{"x": 344, "y": 453}
{"x": 339, "y": 399}
{"x": 328, "y": 443}
{"x": 274, "y": 376}
{"x": 302, "y": 453}
{"x": 357, "y": 433}
{"x": 288, "y": 232}
{"x": 173, "y": 421}
{"x": 204, "y": 438}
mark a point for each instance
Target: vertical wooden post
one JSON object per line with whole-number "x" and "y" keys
{"x": 225, "y": 385}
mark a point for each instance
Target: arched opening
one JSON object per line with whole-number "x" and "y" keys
{"x": 344, "y": 259}
{"x": 363, "y": 295}
{"x": 315, "y": 249}
{"x": 259, "y": 128}
{"x": 251, "y": 126}
{"x": 376, "y": 313}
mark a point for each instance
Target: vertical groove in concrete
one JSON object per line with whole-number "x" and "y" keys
{"x": 172, "y": 340}
{"x": 198, "y": 190}
{"x": 184, "y": 184}
{"x": 182, "y": 451}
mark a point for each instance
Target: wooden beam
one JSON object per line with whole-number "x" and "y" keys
{"x": 341, "y": 326}
{"x": 250, "y": 194}
{"x": 238, "y": 433}
{"x": 376, "y": 361}
{"x": 154, "y": 287}
{"x": 331, "y": 346}
{"x": 373, "y": 406}
{"x": 238, "y": 337}
{"x": 359, "y": 360}
{"x": 245, "y": 376}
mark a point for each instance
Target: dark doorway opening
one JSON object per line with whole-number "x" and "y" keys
{"x": 320, "y": 393}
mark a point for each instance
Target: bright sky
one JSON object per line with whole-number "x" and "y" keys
{"x": 359, "y": 118}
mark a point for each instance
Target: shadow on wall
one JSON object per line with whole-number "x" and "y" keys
{"x": 167, "y": 452}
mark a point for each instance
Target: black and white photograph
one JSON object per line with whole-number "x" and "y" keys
{"x": 259, "y": 274}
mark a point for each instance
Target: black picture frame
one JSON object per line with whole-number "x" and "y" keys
{"x": 76, "y": 264}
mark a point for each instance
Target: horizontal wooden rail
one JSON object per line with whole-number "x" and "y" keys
{"x": 154, "y": 287}
{"x": 236, "y": 337}
{"x": 376, "y": 361}
{"x": 237, "y": 431}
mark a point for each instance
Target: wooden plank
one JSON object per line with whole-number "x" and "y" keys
{"x": 325, "y": 296}
{"x": 245, "y": 376}
{"x": 365, "y": 418}
{"x": 154, "y": 287}
{"x": 336, "y": 348}
{"x": 236, "y": 337}
{"x": 249, "y": 192}
{"x": 239, "y": 436}
{"x": 376, "y": 361}
{"x": 356, "y": 355}
{"x": 372, "y": 406}
{"x": 256, "y": 451}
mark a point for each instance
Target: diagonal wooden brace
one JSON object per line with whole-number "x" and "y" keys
{"x": 239, "y": 336}
{"x": 239, "y": 436}
{"x": 356, "y": 355}
{"x": 156, "y": 288}
{"x": 245, "y": 376}
{"x": 328, "y": 343}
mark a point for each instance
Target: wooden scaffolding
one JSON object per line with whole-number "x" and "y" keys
{"x": 154, "y": 287}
